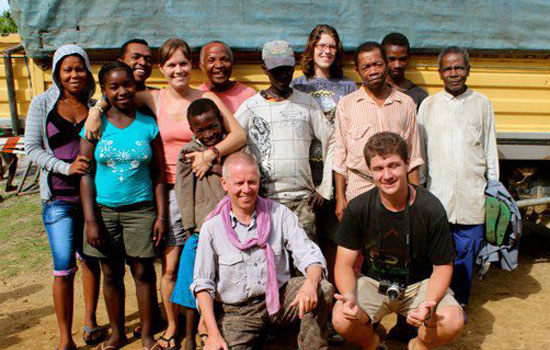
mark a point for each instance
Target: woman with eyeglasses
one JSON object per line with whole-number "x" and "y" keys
{"x": 323, "y": 79}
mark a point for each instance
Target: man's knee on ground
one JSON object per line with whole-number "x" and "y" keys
{"x": 341, "y": 324}
{"x": 451, "y": 320}
{"x": 351, "y": 330}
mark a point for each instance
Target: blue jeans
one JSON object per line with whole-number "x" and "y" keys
{"x": 468, "y": 239}
{"x": 64, "y": 222}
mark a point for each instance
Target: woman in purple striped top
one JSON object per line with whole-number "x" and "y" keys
{"x": 54, "y": 121}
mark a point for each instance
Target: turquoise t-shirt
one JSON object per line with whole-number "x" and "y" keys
{"x": 122, "y": 162}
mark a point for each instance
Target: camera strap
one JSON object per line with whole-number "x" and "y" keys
{"x": 378, "y": 226}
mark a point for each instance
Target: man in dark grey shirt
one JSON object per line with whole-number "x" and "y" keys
{"x": 397, "y": 48}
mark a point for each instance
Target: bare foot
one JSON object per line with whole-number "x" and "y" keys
{"x": 150, "y": 343}
{"x": 113, "y": 343}
{"x": 70, "y": 345}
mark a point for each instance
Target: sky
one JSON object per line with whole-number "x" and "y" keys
{"x": 4, "y": 5}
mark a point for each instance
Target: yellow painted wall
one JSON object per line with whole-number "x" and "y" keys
{"x": 22, "y": 85}
{"x": 518, "y": 88}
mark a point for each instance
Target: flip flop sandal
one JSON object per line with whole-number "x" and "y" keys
{"x": 502, "y": 223}
{"x": 137, "y": 331}
{"x": 492, "y": 211}
{"x": 106, "y": 347}
{"x": 169, "y": 341}
{"x": 90, "y": 339}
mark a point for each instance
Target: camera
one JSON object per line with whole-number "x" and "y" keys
{"x": 392, "y": 290}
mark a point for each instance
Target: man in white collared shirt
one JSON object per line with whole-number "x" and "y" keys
{"x": 458, "y": 128}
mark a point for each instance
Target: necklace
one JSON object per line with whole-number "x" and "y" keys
{"x": 77, "y": 108}
{"x": 75, "y": 113}
{"x": 73, "y": 105}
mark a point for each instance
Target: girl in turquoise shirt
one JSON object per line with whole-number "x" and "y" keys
{"x": 124, "y": 201}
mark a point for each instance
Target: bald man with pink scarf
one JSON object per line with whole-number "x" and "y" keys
{"x": 242, "y": 276}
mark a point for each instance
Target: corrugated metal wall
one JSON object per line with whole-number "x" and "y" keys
{"x": 518, "y": 87}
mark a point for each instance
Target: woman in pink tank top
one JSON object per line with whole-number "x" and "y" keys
{"x": 170, "y": 105}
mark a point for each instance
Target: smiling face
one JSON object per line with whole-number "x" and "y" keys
{"x": 177, "y": 70}
{"x": 120, "y": 89}
{"x": 398, "y": 60}
{"x": 241, "y": 181}
{"x": 217, "y": 64}
{"x": 139, "y": 58}
{"x": 454, "y": 72}
{"x": 372, "y": 69}
{"x": 389, "y": 173}
{"x": 324, "y": 52}
{"x": 73, "y": 75}
{"x": 207, "y": 128}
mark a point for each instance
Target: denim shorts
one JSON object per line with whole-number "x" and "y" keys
{"x": 64, "y": 222}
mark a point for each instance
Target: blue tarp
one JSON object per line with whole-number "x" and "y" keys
{"x": 247, "y": 24}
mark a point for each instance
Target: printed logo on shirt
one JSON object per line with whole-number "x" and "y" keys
{"x": 325, "y": 99}
{"x": 260, "y": 133}
{"x": 294, "y": 117}
{"x": 123, "y": 161}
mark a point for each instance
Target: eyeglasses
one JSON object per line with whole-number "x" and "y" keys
{"x": 323, "y": 47}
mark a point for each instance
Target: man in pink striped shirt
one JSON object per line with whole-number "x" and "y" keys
{"x": 373, "y": 108}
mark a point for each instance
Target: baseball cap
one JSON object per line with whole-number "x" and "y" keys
{"x": 278, "y": 53}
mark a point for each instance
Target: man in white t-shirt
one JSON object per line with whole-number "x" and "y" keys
{"x": 281, "y": 122}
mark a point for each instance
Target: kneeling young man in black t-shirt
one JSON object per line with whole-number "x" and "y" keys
{"x": 402, "y": 231}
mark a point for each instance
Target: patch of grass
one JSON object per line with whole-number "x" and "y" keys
{"x": 23, "y": 242}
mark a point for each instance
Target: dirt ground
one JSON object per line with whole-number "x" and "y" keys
{"x": 507, "y": 310}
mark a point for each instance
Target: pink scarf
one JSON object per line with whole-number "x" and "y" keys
{"x": 263, "y": 224}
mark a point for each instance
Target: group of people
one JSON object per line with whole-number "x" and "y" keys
{"x": 259, "y": 204}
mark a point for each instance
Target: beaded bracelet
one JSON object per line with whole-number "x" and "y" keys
{"x": 98, "y": 108}
{"x": 217, "y": 153}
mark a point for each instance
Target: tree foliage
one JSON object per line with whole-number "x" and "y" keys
{"x": 7, "y": 24}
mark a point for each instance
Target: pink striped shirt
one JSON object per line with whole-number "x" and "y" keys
{"x": 358, "y": 117}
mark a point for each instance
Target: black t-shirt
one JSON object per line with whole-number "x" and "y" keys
{"x": 417, "y": 94}
{"x": 431, "y": 240}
